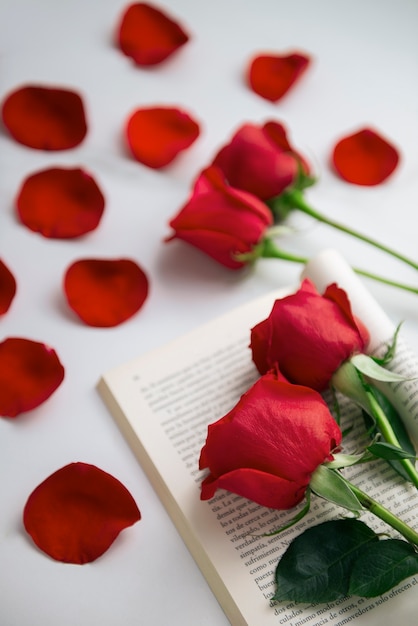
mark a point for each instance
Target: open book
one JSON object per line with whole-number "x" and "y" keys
{"x": 163, "y": 402}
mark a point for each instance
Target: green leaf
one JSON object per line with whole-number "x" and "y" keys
{"x": 368, "y": 366}
{"x": 381, "y": 566}
{"x": 346, "y": 460}
{"x": 330, "y": 485}
{"x": 317, "y": 564}
{"x": 384, "y": 450}
{"x": 398, "y": 428}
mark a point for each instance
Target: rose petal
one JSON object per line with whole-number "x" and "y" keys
{"x": 30, "y": 372}
{"x": 273, "y": 491}
{"x": 277, "y": 133}
{"x": 364, "y": 158}
{"x": 105, "y": 292}
{"x": 7, "y": 288}
{"x": 271, "y": 76}
{"x": 221, "y": 221}
{"x": 76, "y": 513}
{"x": 156, "y": 135}
{"x": 148, "y": 35}
{"x": 253, "y": 161}
{"x": 45, "y": 118}
{"x": 60, "y": 203}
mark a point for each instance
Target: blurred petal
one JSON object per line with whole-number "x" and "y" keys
{"x": 7, "y": 288}
{"x": 76, "y": 513}
{"x": 271, "y": 76}
{"x": 156, "y": 135}
{"x": 105, "y": 292}
{"x": 148, "y": 35}
{"x": 45, "y": 118}
{"x": 364, "y": 158}
{"x": 30, "y": 372}
{"x": 60, "y": 203}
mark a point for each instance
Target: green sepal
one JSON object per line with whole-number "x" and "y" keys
{"x": 330, "y": 485}
{"x": 347, "y": 460}
{"x": 370, "y": 368}
{"x": 317, "y": 564}
{"x": 283, "y": 204}
{"x": 381, "y": 566}
{"x": 391, "y": 349}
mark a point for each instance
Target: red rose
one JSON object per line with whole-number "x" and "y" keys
{"x": 308, "y": 336}
{"x": 221, "y": 221}
{"x": 260, "y": 160}
{"x": 267, "y": 447}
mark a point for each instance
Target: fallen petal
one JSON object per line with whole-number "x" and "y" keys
{"x": 7, "y": 288}
{"x": 60, "y": 203}
{"x": 45, "y": 118}
{"x": 30, "y": 372}
{"x": 271, "y": 76}
{"x": 105, "y": 292}
{"x": 148, "y": 35}
{"x": 75, "y": 514}
{"x": 364, "y": 158}
{"x": 156, "y": 135}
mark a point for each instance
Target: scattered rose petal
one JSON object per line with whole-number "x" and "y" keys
{"x": 30, "y": 372}
{"x": 156, "y": 135}
{"x": 364, "y": 158}
{"x": 45, "y": 118}
{"x": 148, "y": 35}
{"x": 271, "y": 76}
{"x": 7, "y": 288}
{"x": 60, "y": 203}
{"x": 105, "y": 292}
{"x": 76, "y": 513}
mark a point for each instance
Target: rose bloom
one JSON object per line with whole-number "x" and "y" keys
{"x": 260, "y": 160}
{"x": 220, "y": 220}
{"x": 267, "y": 447}
{"x": 308, "y": 336}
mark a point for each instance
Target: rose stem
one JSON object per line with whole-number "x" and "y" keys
{"x": 384, "y": 514}
{"x": 294, "y": 199}
{"x": 270, "y": 250}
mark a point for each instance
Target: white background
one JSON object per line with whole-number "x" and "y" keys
{"x": 364, "y": 72}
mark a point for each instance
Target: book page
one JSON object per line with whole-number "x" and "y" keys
{"x": 163, "y": 403}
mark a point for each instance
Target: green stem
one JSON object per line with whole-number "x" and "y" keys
{"x": 270, "y": 250}
{"x": 294, "y": 199}
{"x": 384, "y": 514}
{"x": 348, "y": 382}
{"x": 389, "y": 436}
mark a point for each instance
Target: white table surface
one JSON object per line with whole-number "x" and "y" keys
{"x": 364, "y": 72}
